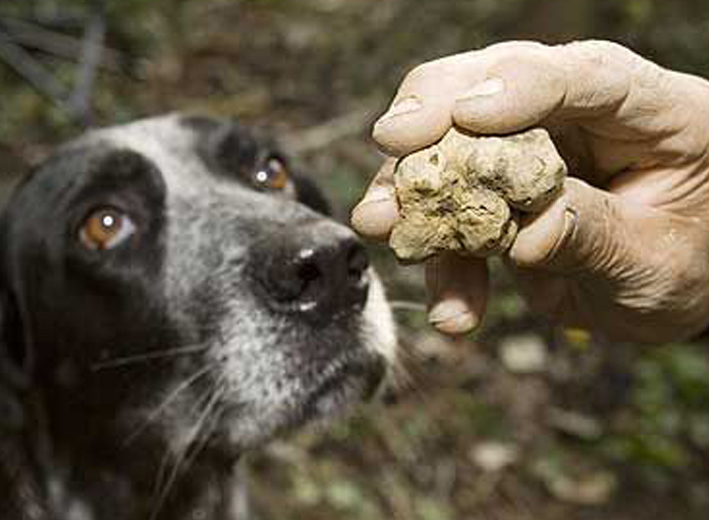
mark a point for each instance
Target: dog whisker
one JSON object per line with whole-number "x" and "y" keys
{"x": 183, "y": 459}
{"x": 174, "y": 394}
{"x": 405, "y": 305}
{"x": 148, "y": 356}
{"x": 209, "y": 423}
{"x": 408, "y": 374}
{"x": 160, "y": 478}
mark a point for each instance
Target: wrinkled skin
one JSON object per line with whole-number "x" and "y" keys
{"x": 625, "y": 250}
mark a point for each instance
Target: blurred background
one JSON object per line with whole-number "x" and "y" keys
{"x": 517, "y": 421}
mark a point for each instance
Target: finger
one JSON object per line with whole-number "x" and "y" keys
{"x": 579, "y": 81}
{"x": 514, "y": 85}
{"x": 421, "y": 110}
{"x": 607, "y": 261}
{"x": 587, "y": 230}
{"x": 518, "y": 90}
{"x": 457, "y": 289}
{"x": 378, "y": 211}
{"x": 501, "y": 88}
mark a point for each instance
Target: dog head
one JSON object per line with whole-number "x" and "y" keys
{"x": 170, "y": 286}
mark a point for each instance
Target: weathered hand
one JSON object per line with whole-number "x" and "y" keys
{"x": 625, "y": 249}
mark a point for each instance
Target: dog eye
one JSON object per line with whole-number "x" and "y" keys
{"x": 274, "y": 176}
{"x": 105, "y": 228}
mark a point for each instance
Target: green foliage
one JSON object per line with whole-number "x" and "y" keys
{"x": 667, "y": 420}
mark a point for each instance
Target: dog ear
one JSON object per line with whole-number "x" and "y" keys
{"x": 14, "y": 364}
{"x": 309, "y": 194}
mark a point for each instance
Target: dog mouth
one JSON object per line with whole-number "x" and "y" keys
{"x": 323, "y": 393}
{"x": 343, "y": 385}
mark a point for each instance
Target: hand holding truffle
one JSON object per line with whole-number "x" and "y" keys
{"x": 621, "y": 246}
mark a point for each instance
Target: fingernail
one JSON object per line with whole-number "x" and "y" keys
{"x": 487, "y": 88}
{"x": 375, "y": 215}
{"x": 401, "y": 107}
{"x": 452, "y": 317}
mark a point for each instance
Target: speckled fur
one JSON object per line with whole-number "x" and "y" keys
{"x": 254, "y": 373}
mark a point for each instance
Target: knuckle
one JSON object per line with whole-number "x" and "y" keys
{"x": 516, "y": 47}
{"x": 515, "y": 55}
{"x": 602, "y": 55}
{"x": 600, "y": 72}
{"x": 598, "y": 51}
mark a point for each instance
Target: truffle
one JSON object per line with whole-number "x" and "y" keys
{"x": 465, "y": 193}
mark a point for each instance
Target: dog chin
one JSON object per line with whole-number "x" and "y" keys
{"x": 336, "y": 394}
{"x": 359, "y": 376}
{"x": 343, "y": 388}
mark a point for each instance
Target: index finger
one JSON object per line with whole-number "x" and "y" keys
{"x": 422, "y": 109}
{"x": 375, "y": 215}
{"x": 511, "y": 86}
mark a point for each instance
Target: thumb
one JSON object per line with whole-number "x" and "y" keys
{"x": 606, "y": 262}
{"x": 589, "y": 230}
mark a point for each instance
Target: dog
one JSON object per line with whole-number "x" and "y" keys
{"x": 171, "y": 296}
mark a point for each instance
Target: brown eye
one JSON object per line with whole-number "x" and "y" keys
{"x": 105, "y": 228}
{"x": 274, "y": 176}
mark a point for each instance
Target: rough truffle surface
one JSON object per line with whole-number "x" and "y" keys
{"x": 464, "y": 194}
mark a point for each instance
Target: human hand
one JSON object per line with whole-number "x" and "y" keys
{"x": 625, "y": 249}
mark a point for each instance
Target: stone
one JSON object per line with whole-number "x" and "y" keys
{"x": 465, "y": 193}
{"x": 494, "y": 456}
{"x": 523, "y": 354}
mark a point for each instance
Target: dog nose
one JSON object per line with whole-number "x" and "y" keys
{"x": 318, "y": 271}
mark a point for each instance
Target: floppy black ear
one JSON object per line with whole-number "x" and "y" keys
{"x": 309, "y": 194}
{"x": 14, "y": 364}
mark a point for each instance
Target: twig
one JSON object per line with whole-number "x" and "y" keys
{"x": 32, "y": 72}
{"x": 323, "y": 135}
{"x": 33, "y": 36}
{"x": 80, "y": 99}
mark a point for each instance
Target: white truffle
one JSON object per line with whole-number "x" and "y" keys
{"x": 464, "y": 193}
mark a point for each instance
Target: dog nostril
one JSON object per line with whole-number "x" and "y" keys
{"x": 308, "y": 274}
{"x": 290, "y": 279}
{"x": 307, "y": 271}
{"x": 357, "y": 263}
{"x": 318, "y": 274}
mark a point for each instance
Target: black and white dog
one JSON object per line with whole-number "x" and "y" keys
{"x": 170, "y": 296}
